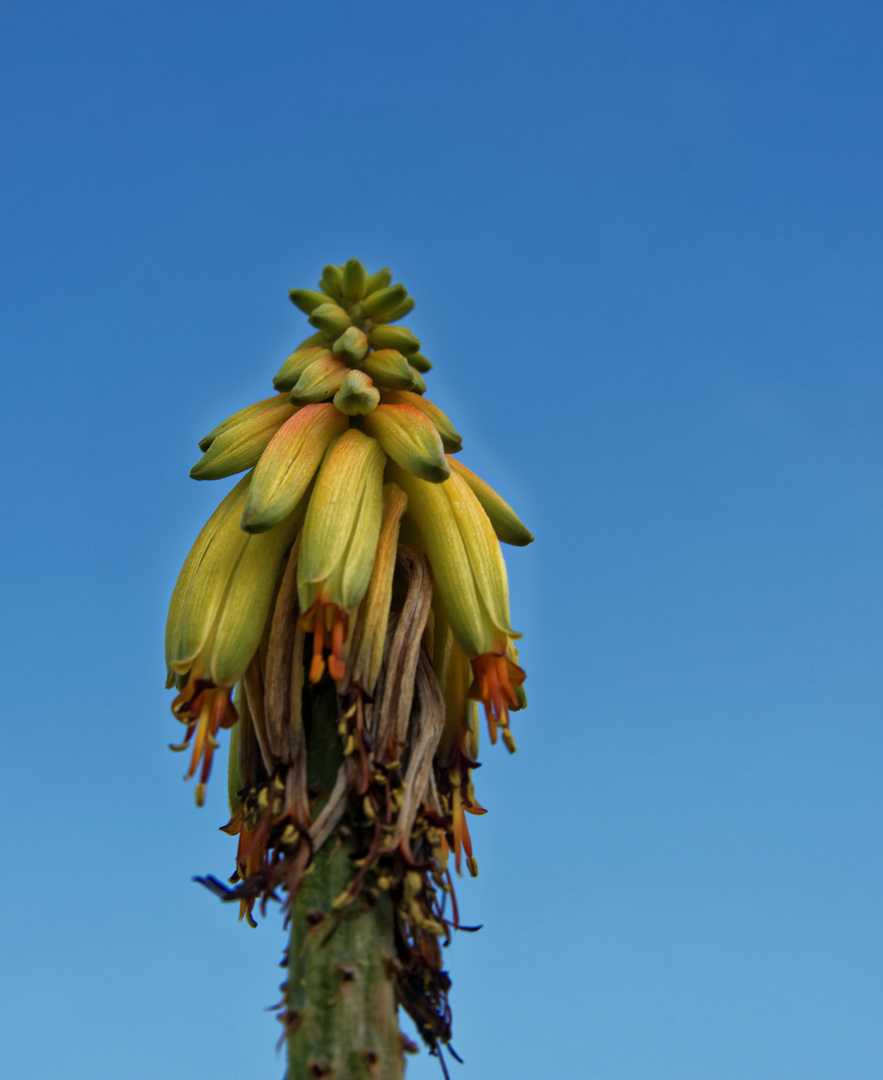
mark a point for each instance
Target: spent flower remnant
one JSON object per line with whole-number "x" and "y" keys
{"x": 357, "y": 562}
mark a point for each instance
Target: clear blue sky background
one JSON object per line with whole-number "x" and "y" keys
{"x": 645, "y": 241}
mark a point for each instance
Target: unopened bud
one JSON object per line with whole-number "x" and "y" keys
{"x": 388, "y": 368}
{"x": 351, "y": 346}
{"x": 330, "y": 317}
{"x": 357, "y": 394}
{"x": 394, "y": 337}
{"x": 307, "y": 299}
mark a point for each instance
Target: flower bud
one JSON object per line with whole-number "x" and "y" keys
{"x": 300, "y": 359}
{"x": 288, "y": 465}
{"x": 331, "y": 318}
{"x": 418, "y": 383}
{"x": 239, "y": 447}
{"x": 351, "y": 346}
{"x": 394, "y": 337}
{"x": 388, "y": 368}
{"x": 357, "y": 395}
{"x": 378, "y": 281}
{"x": 212, "y": 557}
{"x": 332, "y": 281}
{"x": 319, "y": 381}
{"x": 380, "y": 303}
{"x": 466, "y": 560}
{"x": 403, "y": 308}
{"x": 369, "y": 631}
{"x": 307, "y": 299}
{"x": 506, "y": 523}
{"x": 243, "y": 414}
{"x": 342, "y": 523}
{"x": 410, "y": 438}
{"x": 419, "y": 361}
{"x": 355, "y": 280}
{"x": 450, "y": 437}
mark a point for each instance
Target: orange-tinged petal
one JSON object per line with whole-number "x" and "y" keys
{"x": 288, "y": 465}
{"x": 342, "y": 523}
{"x": 450, "y": 437}
{"x": 239, "y": 447}
{"x": 410, "y": 438}
{"x": 506, "y": 523}
{"x": 319, "y": 381}
{"x": 466, "y": 560}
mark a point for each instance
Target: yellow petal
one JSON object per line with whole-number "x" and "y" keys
{"x": 342, "y": 523}
{"x": 288, "y": 465}
{"x": 308, "y": 351}
{"x": 466, "y": 560}
{"x": 246, "y": 605}
{"x": 369, "y": 632}
{"x": 394, "y": 337}
{"x": 357, "y": 395}
{"x": 410, "y": 438}
{"x": 239, "y": 447}
{"x": 319, "y": 381}
{"x": 243, "y": 414}
{"x": 506, "y": 523}
{"x": 202, "y": 583}
{"x": 389, "y": 368}
{"x": 451, "y": 438}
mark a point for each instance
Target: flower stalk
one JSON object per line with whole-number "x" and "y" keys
{"x": 344, "y": 613}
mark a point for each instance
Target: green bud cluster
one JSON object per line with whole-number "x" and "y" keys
{"x": 352, "y": 313}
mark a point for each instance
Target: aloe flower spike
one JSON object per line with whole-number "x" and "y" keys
{"x": 343, "y": 613}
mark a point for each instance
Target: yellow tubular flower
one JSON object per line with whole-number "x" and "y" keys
{"x": 183, "y": 642}
{"x": 466, "y": 561}
{"x": 240, "y": 446}
{"x": 369, "y": 633}
{"x": 296, "y": 364}
{"x": 288, "y": 465}
{"x": 411, "y": 439}
{"x": 243, "y": 414}
{"x": 202, "y": 582}
{"x": 388, "y": 368}
{"x": 357, "y": 395}
{"x": 217, "y": 617}
{"x": 339, "y": 543}
{"x": 450, "y": 437}
{"x": 319, "y": 380}
{"x": 471, "y": 577}
{"x": 506, "y": 523}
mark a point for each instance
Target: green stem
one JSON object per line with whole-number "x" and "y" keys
{"x": 340, "y": 997}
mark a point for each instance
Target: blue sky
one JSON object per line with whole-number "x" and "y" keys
{"x": 645, "y": 242}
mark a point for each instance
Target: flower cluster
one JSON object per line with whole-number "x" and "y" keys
{"x": 356, "y": 549}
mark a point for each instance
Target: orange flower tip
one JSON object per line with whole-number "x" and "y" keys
{"x": 472, "y": 865}
{"x": 317, "y": 668}
{"x": 199, "y": 794}
{"x": 336, "y": 668}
